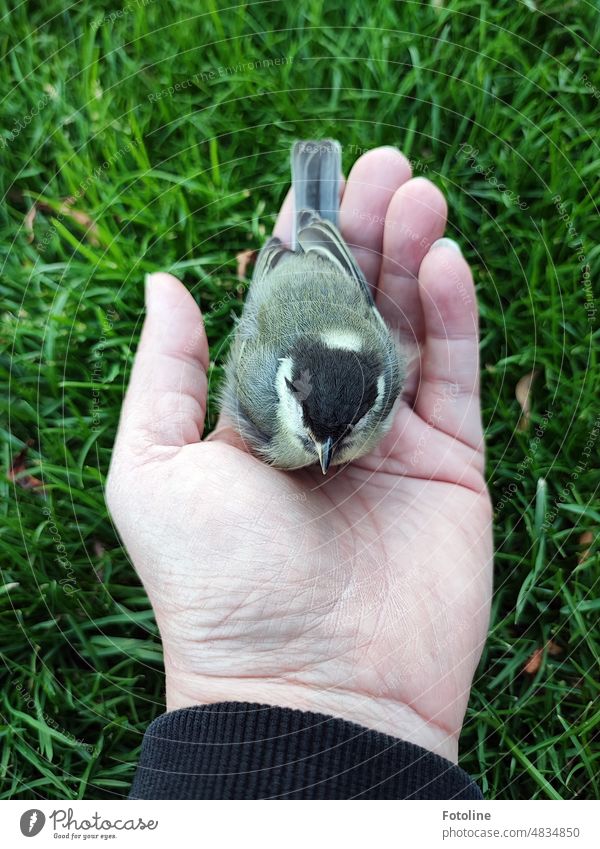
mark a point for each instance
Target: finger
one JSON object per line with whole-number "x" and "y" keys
{"x": 371, "y": 185}
{"x": 166, "y": 398}
{"x": 415, "y": 218}
{"x": 448, "y": 396}
{"x": 285, "y": 219}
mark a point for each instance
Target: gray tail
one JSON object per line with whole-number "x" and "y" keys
{"x": 316, "y": 168}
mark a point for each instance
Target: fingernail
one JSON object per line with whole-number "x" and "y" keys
{"x": 446, "y": 243}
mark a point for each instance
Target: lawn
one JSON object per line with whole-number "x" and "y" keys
{"x": 148, "y": 135}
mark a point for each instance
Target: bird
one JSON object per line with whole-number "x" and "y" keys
{"x": 313, "y": 371}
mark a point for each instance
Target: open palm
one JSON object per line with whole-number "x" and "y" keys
{"x": 363, "y": 594}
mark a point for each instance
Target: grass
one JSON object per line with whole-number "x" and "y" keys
{"x": 184, "y": 181}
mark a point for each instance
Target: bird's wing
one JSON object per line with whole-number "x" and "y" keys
{"x": 322, "y": 237}
{"x": 271, "y": 254}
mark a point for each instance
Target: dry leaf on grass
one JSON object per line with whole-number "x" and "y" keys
{"x": 535, "y": 661}
{"x": 587, "y": 539}
{"x": 16, "y": 472}
{"x": 28, "y": 223}
{"x": 82, "y": 218}
{"x": 65, "y": 210}
{"x": 523, "y": 396}
{"x": 244, "y": 259}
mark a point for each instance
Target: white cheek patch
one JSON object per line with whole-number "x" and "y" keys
{"x": 380, "y": 392}
{"x": 362, "y": 423}
{"x": 345, "y": 340}
{"x": 289, "y": 410}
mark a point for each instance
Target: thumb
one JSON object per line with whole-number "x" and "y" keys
{"x": 165, "y": 402}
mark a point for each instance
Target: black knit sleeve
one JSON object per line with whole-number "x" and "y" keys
{"x": 238, "y": 750}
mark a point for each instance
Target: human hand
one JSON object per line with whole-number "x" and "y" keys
{"x": 364, "y": 594}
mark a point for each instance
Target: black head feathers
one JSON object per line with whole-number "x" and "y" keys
{"x": 335, "y": 387}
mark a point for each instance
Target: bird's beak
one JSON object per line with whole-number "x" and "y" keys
{"x": 325, "y": 452}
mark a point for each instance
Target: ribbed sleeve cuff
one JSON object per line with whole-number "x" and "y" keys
{"x": 239, "y": 750}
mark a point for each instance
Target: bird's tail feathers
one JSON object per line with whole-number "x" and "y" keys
{"x": 316, "y": 168}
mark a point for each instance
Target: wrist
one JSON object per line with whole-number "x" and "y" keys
{"x": 384, "y": 715}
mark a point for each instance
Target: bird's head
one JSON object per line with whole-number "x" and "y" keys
{"x": 331, "y": 392}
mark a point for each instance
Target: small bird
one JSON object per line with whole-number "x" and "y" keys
{"x": 313, "y": 371}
